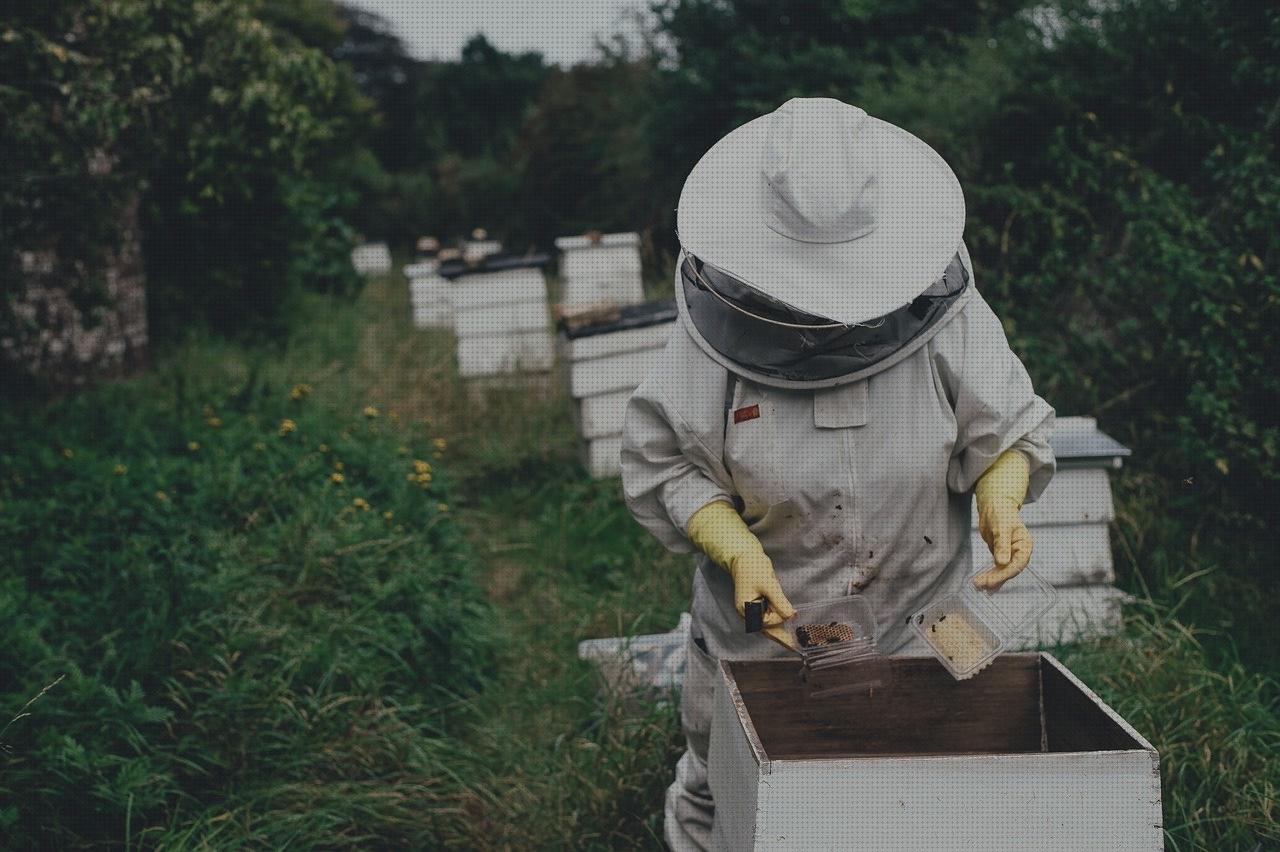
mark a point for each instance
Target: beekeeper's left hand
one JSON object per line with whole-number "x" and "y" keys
{"x": 1000, "y": 492}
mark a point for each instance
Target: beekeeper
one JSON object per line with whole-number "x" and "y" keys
{"x": 834, "y": 393}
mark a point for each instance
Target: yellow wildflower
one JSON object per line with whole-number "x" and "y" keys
{"x": 119, "y": 470}
{"x": 323, "y": 448}
{"x": 336, "y": 478}
{"x": 423, "y": 478}
{"x": 215, "y": 422}
{"x": 419, "y": 466}
{"x": 395, "y": 418}
{"x": 370, "y": 412}
{"x": 287, "y": 427}
{"x": 361, "y": 503}
{"x": 193, "y": 446}
{"x": 299, "y": 391}
{"x": 68, "y": 453}
{"x": 386, "y": 516}
{"x": 442, "y": 507}
{"x": 162, "y": 497}
{"x": 440, "y": 444}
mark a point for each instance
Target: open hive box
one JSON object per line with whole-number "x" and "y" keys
{"x": 1022, "y": 757}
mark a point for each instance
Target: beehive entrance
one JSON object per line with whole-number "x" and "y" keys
{"x": 1020, "y": 704}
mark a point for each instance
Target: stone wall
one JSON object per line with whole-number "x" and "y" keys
{"x": 60, "y": 345}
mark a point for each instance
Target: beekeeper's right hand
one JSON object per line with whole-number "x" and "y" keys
{"x": 719, "y": 531}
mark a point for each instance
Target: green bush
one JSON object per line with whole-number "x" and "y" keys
{"x": 228, "y": 128}
{"x": 264, "y": 613}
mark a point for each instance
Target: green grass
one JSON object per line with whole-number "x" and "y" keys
{"x": 302, "y": 668}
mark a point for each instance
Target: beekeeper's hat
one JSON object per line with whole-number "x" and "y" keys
{"x": 825, "y": 209}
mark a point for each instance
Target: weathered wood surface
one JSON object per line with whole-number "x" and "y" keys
{"x": 1076, "y": 496}
{"x": 1064, "y": 554}
{"x": 1075, "y": 777}
{"x": 601, "y": 269}
{"x": 499, "y": 288}
{"x": 614, "y": 373}
{"x": 604, "y": 414}
{"x": 503, "y": 319}
{"x": 601, "y": 456}
{"x": 508, "y": 353}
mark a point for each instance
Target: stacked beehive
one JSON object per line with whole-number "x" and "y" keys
{"x": 1069, "y": 524}
{"x": 600, "y": 271}
{"x": 500, "y": 315}
{"x": 371, "y": 259}
{"x": 429, "y": 295}
{"x": 606, "y": 361}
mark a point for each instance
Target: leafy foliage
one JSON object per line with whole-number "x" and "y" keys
{"x": 264, "y": 612}
{"x": 226, "y": 126}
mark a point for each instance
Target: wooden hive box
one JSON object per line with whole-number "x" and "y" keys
{"x": 602, "y": 269}
{"x": 500, "y": 315}
{"x": 1022, "y": 757}
{"x": 1070, "y": 524}
{"x": 606, "y": 361}
{"x": 371, "y": 259}
{"x": 429, "y": 296}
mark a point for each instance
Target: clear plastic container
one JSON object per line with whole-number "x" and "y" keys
{"x": 836, "y": 638}
{"x": 967, "y": 630}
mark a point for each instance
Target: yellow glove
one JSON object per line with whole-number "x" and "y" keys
{"x": 1000, "y": 492}
{"x": 719, "y": 531}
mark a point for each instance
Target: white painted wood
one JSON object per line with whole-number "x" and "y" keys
{"x": 605, "y": 271}
{"x": 426, "y": 269}
{"x": 1064, "y": 554}
{"x": 371, "y": 259}
{"x": 602, "y": 457}
{"x": 504, "y": 286}
{"x": 603, "y": 415}
{"x": 1076, "y": 496}
{"x": 618, "y": 342}
{"x": 736, "y": 782}
{"x": 473, "y": 250}
{"x": 503, "y": 319}
{"x": 603, "y": 375}
{"x": 440, "y": 316}
{"x": 1047, "y": 802}
{"x": 529, "y": 351}
{"x": 1065, "y": 802}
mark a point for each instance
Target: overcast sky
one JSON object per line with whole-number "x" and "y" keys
{"x": 561, "y": 30}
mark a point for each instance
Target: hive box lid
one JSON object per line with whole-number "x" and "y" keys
{"x": 1078, "y": 442}
{"x": 452, "y": 269}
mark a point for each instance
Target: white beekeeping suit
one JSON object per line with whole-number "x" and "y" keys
{"x": 850, "y": 449}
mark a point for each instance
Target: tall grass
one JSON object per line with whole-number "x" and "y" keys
{"x": 259, "y": 662}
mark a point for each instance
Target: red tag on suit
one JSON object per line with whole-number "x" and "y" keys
{"x": 750, "y": 412}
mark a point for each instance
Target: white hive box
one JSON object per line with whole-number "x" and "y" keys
{"x": 600, "y": 271}
{"x": 371, "y": 259}
{"x": 1070, "y": 527}
{"x": 477, "y": 250}
{"x": 429, "y": 296}
{"x": 606, "y": 362}
{"x": 500, "y": 316}
{"x": 923, "y": 763}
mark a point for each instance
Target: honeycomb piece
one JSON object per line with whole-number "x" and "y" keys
{"x": 815, "y": 635}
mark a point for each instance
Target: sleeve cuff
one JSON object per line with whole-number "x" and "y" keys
{"x": 687, "y": 494}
